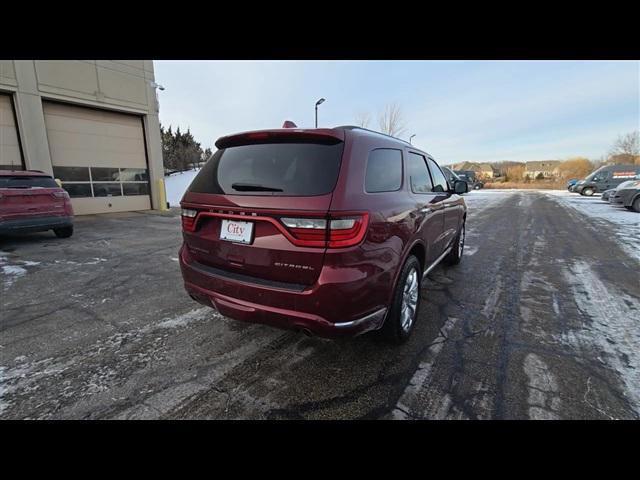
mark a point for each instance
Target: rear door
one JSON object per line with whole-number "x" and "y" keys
{"x": 262, "y": 209}
{"x": 428, "y": 212}
{"x": 30, "y": 196}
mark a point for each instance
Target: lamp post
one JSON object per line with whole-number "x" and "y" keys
{"x": 318, "y": 103}
{"x": 411, "y": 138}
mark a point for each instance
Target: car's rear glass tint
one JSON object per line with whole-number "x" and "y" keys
{"x": 284, "y": 169}
{"x": 27, "y": 182}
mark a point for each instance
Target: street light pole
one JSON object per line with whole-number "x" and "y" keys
{"x": 318, "y": 103}
{"x": 411, "y": 138}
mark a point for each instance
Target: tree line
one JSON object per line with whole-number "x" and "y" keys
{"x": 180, "y": 151}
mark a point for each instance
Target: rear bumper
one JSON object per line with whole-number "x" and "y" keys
{"x": 308, "y": 310}
{"x": 36, "y": 224}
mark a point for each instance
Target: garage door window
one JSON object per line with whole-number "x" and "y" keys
{"x": 103, "y": 182}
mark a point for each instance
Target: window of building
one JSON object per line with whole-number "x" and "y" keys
{"x": 82, "y": 182}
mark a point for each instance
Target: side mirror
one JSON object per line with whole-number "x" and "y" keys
{"x": 460, "y": 187}
{"x": 57, "y": 180}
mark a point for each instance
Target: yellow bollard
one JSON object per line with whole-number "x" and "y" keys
{"x": 162, "y": 195}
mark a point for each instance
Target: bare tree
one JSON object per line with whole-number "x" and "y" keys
{"x": 363, "y": 119}
{"x": 628, "y": 145}
{"x": 391, "y": 120}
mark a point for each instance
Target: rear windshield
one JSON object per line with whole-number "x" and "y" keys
{"x": 284, "y": 169}
{"x": 27, "y": 182}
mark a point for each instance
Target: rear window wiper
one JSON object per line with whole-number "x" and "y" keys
{"x": 252, "y": 187}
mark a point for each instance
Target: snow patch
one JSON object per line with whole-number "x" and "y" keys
{"x": 176, "y": 184}
{"x": 613, "y": 334}
{"x": 544, "y": 401}
{"x": 620, "y": 221}
{"x": 410, "y": 405}
{"x": 186, "y": 318}
{"x": 14, "y": 270}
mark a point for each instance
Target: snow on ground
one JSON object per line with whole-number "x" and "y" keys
{"x": 9, "y": 273}
{"x": 480, "y": 199}
{"x": 177, "y": 184}
{"x": 614, "y": 328}
{"x": 623, "y": 223}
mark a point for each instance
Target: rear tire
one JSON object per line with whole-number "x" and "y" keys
{"x": 457, "y": 249}
{"x": 402, "y": 316}
{"x": 587, "y": 192}
{"x": 64, "y": 232}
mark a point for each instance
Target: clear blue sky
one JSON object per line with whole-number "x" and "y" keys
{"x": 459, "y": 110}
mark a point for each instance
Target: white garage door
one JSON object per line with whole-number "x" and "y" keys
{"x": 10, "y": 156}
{"x": 99, "y": 156}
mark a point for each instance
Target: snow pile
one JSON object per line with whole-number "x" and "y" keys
{"x": 624, "y": 223}
{"x": 177, "y": 184}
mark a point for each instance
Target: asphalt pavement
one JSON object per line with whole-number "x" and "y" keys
{"x": 541, "y": 320}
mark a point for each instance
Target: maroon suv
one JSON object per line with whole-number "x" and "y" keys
{"x": 327, "y": 231}
{"x": 32, "y": 201}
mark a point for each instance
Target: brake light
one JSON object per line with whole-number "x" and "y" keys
{"x": 189, "y": 219}
{"x": 347, "y": 231}
{"x": 340, "y": 231}
{"x": 62, "y": 194}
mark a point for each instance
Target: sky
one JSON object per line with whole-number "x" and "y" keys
{"x": 458, "y": 110}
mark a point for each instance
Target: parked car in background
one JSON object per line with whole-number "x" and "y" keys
{"x": 571, "y": 183}
{"x": 608, "y": 194}
{"x": 606, "y": 178}
{"x": 301, "y": 229}
{"x": 469, "y": 176}
{"x": 32, "y": 201}
{"x": 628, "y": 195}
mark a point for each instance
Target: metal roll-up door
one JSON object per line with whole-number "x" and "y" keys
{"x": 10, "y": 154}
{"x": 99, "y": 156}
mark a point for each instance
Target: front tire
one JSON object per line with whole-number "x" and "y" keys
{"x": 405, "y": 304}
{"x": 64, "y": 232}
{"x": 457, "y": 249}
{"x": 587, "y": 192}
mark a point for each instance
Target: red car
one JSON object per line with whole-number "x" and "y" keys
{"x": 326, "y": 231}
{"x": 32, "y": 201}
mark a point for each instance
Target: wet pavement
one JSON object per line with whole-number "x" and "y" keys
{"x": 540, "y": 320}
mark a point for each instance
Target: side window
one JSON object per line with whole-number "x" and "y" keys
{"x": 439, "y": 182}
{"x": 418, "y": 174}
{"x": 384, "y": 170}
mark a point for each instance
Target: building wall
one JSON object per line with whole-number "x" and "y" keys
{"x": 118, "y": 85}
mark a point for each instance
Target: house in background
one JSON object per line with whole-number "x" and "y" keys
{"x": 482, "y": 170}
{"x": 548, "y": 169}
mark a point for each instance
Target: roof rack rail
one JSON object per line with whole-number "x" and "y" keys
{"x": 355, "y": 127}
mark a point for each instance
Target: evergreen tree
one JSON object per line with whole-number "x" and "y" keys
{"x": 180, "y": 151}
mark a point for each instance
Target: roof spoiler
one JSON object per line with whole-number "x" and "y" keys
{"x": 326, "y": 136}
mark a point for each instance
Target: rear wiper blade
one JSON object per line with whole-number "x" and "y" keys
{"x": 252, "y": 187}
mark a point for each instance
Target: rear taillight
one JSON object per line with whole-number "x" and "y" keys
{"x": 189, "y": 219}
{"x": 64, "y": 195}
{"x": 307, "y": 232}
{"x": 347, "y": 231}
{"x": 336, "y": 232}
